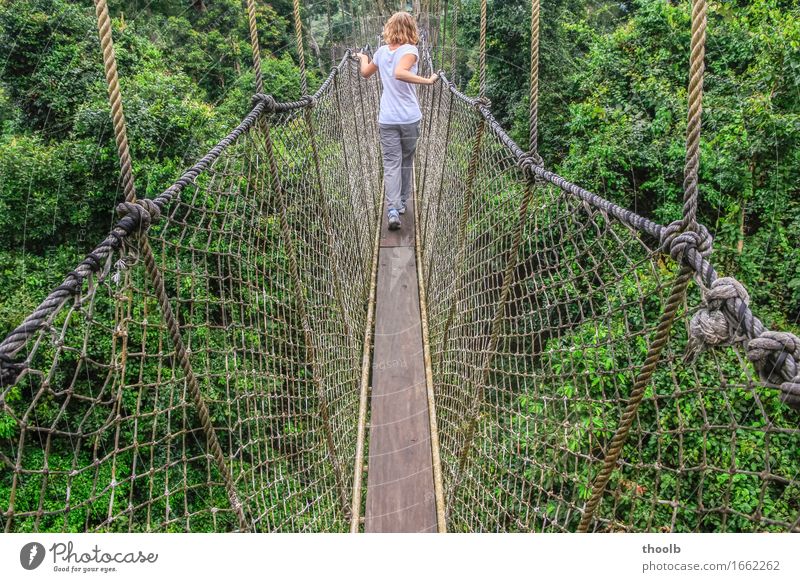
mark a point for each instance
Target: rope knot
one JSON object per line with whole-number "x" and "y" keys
{"x": 528, "y": 161}
{"x": 776, "y": 355}
{"x": 9, "y": 371}
{"x": 791, "y": 393}
{"x": 144, "y": 211}
{"x": 677, "y": 243}
{"x": 268, "y": 100}
{"x": 310, "y": 100}
{"x": 719, "y": 321}
{"x": 481, "y": 102}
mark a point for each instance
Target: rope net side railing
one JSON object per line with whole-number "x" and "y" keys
{"x": 264, "y": 251}
{"x": 543, "y": 303}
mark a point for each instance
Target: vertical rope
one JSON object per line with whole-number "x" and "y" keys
{"x": 533, "y": 115}
{"x": 427, "y": 12}
{"x": 453, "y": 31}
{"x": 146, "y": 252}
{"x": 637, "y": 394}
{"x": 251, "y": 19}
{"x": 115, "y": 99}
{"x": 329, "y": 37}
{"x": 696, "y": 70}
{"x": 482, "y": 72}
{"x": 298, "y": 34}
{"x": 443, "y": 43}
{"x": 203, "y": 414}
{"x": 689, "y": 222}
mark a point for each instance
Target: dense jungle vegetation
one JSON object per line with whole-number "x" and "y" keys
{"x": 613, "y": 85}
{"x": 613, "y": 118}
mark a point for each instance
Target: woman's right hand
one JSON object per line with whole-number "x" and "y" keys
{"x": 432, "y": 79}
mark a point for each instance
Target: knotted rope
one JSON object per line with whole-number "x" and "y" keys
{"x": 680, "y": 239}
{"x": 725, "y": 319}
{"x": 144, "y": 212}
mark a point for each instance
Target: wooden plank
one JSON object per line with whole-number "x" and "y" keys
{"x": 400, "y": 494}
{"x": 403, "y": 237}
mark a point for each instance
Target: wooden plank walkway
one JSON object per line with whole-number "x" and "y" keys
{"x": 400, "y": 491}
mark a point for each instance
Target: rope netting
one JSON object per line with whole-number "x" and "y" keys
{"x": 203, "y": 369}
{"x": 544, "y": 302}
{"x": 263, "y": 254}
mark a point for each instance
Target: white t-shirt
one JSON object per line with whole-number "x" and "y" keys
{"x": 399, "y": 103}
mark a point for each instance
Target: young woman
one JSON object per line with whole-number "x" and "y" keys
{"x": 396, "y": 61}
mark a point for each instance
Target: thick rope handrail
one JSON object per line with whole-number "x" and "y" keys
{"x": 529, "y": 165}
{"x": 718, "y": 323}
{"x": 129, "y": 224}
{"x": 93, "y": 262}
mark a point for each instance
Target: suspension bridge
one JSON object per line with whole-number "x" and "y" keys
{"x": 252, "y": 350}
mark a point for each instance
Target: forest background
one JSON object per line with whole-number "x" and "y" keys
{"x": 613, "y": 115}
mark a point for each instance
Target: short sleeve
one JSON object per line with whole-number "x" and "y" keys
{"x": 409, "y": 49}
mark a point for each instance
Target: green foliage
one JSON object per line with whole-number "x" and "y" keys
{"x": 613, "y": 118}
{"x": 186, "y": 82}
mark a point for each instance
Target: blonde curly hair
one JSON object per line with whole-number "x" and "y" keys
{"x": 401, "y": 28}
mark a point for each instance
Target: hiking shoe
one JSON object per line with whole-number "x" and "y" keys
{"x": 394, "y": 220}
{"x": 402, "y": 209}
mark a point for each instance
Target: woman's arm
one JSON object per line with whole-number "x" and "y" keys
{"x": 403, "y": 71}
{"x": 367, "y": 69}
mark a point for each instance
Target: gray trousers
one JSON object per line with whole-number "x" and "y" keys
{"x": 398, "y": 143}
